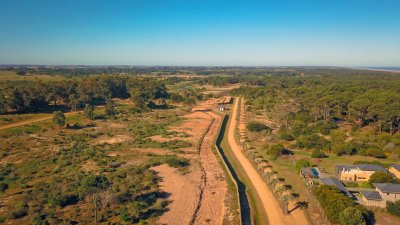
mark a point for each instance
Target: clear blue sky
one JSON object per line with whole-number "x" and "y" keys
{"x": 202, "y": 32}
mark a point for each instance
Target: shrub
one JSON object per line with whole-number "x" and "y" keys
{"x": 393, "y": 208}
{"x": 345, "y": 149}
{"x": 334, "y": 202}
{"x": 302, "y": 163}
{"x": 325, "y": 128}
{"x": 286, "y": 137}
{"x": 257, "y": 127}
{"x": 278, "y": 150}
{"x": 3, "y": 187}
{"x": 375, "y": 152}
{"x": 318, "y": 154}
{"x": 20, "y": 210}
{"x": 170, "y": 160}
{"x": 312, "y": 141}
{"x": 352, "y": 216}
{"x": 383, "y": 177}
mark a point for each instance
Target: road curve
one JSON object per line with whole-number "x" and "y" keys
{"x": 271, "y": 206}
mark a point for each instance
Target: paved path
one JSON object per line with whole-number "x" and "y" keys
{"x": 271, "y": 206}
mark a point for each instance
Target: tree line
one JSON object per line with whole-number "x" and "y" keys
{"x": 34, "y": 96}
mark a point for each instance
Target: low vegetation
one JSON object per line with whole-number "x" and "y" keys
{"x": 339, "y": 208}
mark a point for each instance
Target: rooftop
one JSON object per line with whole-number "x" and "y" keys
{"x": 397, "y": 167}
{"x": 388, "y": 187}
{"x": 371, "y": 195}
{"x": 335, "y": 182}
{"x": 363, "y": 167}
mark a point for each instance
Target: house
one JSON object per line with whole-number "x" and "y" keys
{"x": 384, "y": 192}
{"x": 331, "y": 181}
{"x": 388, "y": 191}
{"x": 395, "y": 169}
{"x": 372, "y": 199}
{"x": 221, "y": 108}
{"x": 358, "y": 172}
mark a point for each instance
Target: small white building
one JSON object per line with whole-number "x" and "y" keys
{"x": 221, "y": 108}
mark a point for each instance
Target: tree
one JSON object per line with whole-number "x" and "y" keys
{"x": 110, "y": 109}
{"x": 89, "y": 112}
{"x": 360, "y": 107}
{"x": 352, "y": 216}
{"x": 383, "y": 177}
{"x": 59, "y": 118}
{"x": 393, "y": 208}
{"x": 3, "y": 104}
{"x": 93, "y": 185}
{"x": 16, "y": 100}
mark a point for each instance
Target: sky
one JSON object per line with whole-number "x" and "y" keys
{"x": 201, "y": 33}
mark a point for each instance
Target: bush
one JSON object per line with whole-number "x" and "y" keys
{"x": 335, "y": 204}
{"x": 393, "y": 208}
{"x": 325, "y": 128}
{"x": 286, "y": 137}
{"x": 20, "y": 210}
{"x": 257, "y": 127}
{"x": 345, "y": 149}
{"x": 276, "y": 151}
{"x": 3, "y": 187}
{"x": 312, "y": 141}
{"x": 352, "y": 216}
{"x": 302, "y": 163}
{"x": 383, "y": 177}
{"x": 170, "y": 160}
{"x": 375, "y": 152}
{"x": 318, "y": 154}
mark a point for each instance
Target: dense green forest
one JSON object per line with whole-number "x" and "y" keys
{"x": 34, "y": 96}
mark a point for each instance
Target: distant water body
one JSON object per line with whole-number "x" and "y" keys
{"x": 383, "y": 68}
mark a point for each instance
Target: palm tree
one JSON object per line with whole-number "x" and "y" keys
{"x": 283, "y": 188}
{"x": 286, "y": 199}
{"x": 302, "y": 205}
{"x": 273, "y": 181}
{"x": 268, "y": 174}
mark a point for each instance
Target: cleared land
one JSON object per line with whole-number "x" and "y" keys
{"x": 211, "y": 207}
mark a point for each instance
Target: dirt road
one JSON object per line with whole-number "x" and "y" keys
{"x": 26, "y": 122}
{"x": 271, "y": 206}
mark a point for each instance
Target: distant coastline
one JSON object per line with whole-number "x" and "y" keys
{"x": 385, "y": 69}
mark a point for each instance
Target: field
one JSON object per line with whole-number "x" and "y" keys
{"x": 12, "y": 76}
{"x": 153, "y": 154}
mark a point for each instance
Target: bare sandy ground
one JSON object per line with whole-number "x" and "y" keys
{"x": 113, "y": 140}
{"x": 184, "y": 193}
{"x": 199, "y": 196}
{"x": 271, "y": 206}
{"x": 211, "y": 205}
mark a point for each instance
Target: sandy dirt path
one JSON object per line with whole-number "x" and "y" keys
{"x": 184, "y": 194}
{"x": 26, "y": 122}
{"x": 211, "y": 206}
{"x": 271, "y": 206}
